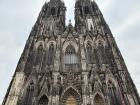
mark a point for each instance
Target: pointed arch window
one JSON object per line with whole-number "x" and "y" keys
{"x": 89, "y": 54}
{"x": 80, "y": 11}
{"x": 53, "y": 11}
{"x": 94, "y": 7}
{"x": 87, "y": 10}
{"x": 30, "y": 59}
{"x": 59, "y": 11}
{"x": 43, "y": 100}
{"x": 101, "y": 53}
{"x": 51, "y": 54}
{"x": 39, "y": 54}
{"x": 113, "y": 94}
{"x": 70, "y": 55}
{"x": 29, "y": 94}
{"x": 98, "y": 100}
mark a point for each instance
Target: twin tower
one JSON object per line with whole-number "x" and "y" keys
{"x": 71, "y": 65}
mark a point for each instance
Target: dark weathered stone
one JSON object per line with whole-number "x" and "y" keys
{"x": 63, "y": 64}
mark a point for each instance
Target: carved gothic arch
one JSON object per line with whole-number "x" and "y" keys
{"x": 38, "y": 44}
{"x": 50, "y": 43}
{"x": 43, "y": 100}
{"x": 69, "y": 31}
{"x": 42, "y": 94}
{"x": 99, "y": 93}
{"x": 28, "y": 92}
{"x": 30, "y": 79}
{"x": 100, "y": 40}
{"x": 110, "y": 77}
{"x": 88, "y": 42}
{"x": 70, "y": 87}
{"x": 44, "y": 90}
{"x": 66, "y": 44}
{"x": 26, "y": 86}
{"x": 97, "y": 86}
{"x": 98, "y": 99}
{"x": 113, "y": 86}
{"x": 68, "y": 93}
{"x": 69, "y": 37}
{"x": 88, "y": 39}
{"x": 114, "y": 93}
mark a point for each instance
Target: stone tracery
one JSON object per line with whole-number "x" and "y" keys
{"x": 71, "y": 65}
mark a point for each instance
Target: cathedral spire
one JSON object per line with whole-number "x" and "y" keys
{"x": 52, "y": 17}
{"x": 88, "y": 16}
{"x": 79, "y": 65}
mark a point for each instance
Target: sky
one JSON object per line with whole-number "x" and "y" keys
{"x": 17, "y": 18}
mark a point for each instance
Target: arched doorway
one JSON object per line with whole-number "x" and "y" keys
{"x": 70, "y": 59}
{"x": 71, "y": 100}
{"x": 98, "y": 100}
{"x": 71, "y": 97}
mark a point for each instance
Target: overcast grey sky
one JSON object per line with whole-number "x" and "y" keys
{"x": 18, "y": 16}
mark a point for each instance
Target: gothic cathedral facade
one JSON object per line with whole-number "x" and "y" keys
{"x": 71, "y": 65}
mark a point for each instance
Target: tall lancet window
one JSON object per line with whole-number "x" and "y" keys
{"x": 53, "y": 11}
{"x": 39, "y": 55}
{"x": 43, "y": 100}
{"x": 29, "y": 94}
{"x": 90, "y": 24}
{"x": 70, "y": 55}
{"x": 101, "y": 53}
{"x": 51, "y": 55}
{"x": 113, "y": 94}
{"x": 89, "y": 54}
{"x": 87, "y": 10}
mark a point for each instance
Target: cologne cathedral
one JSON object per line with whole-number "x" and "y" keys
{"x": 71, "y": 65}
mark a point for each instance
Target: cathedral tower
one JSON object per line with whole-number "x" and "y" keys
{"x": 66, "y": 65}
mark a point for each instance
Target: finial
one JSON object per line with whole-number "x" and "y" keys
{"x": 69, "y": 21}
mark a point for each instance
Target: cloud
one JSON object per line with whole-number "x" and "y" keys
{"x": 70, "y": 4}
{"x": 128, "y": 23}
{"x": 105, "y": 5}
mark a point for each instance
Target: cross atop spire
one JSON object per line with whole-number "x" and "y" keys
{"x": 69, "y": 21}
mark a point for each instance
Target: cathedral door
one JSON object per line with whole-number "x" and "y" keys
{"x": 71, "y": 100}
